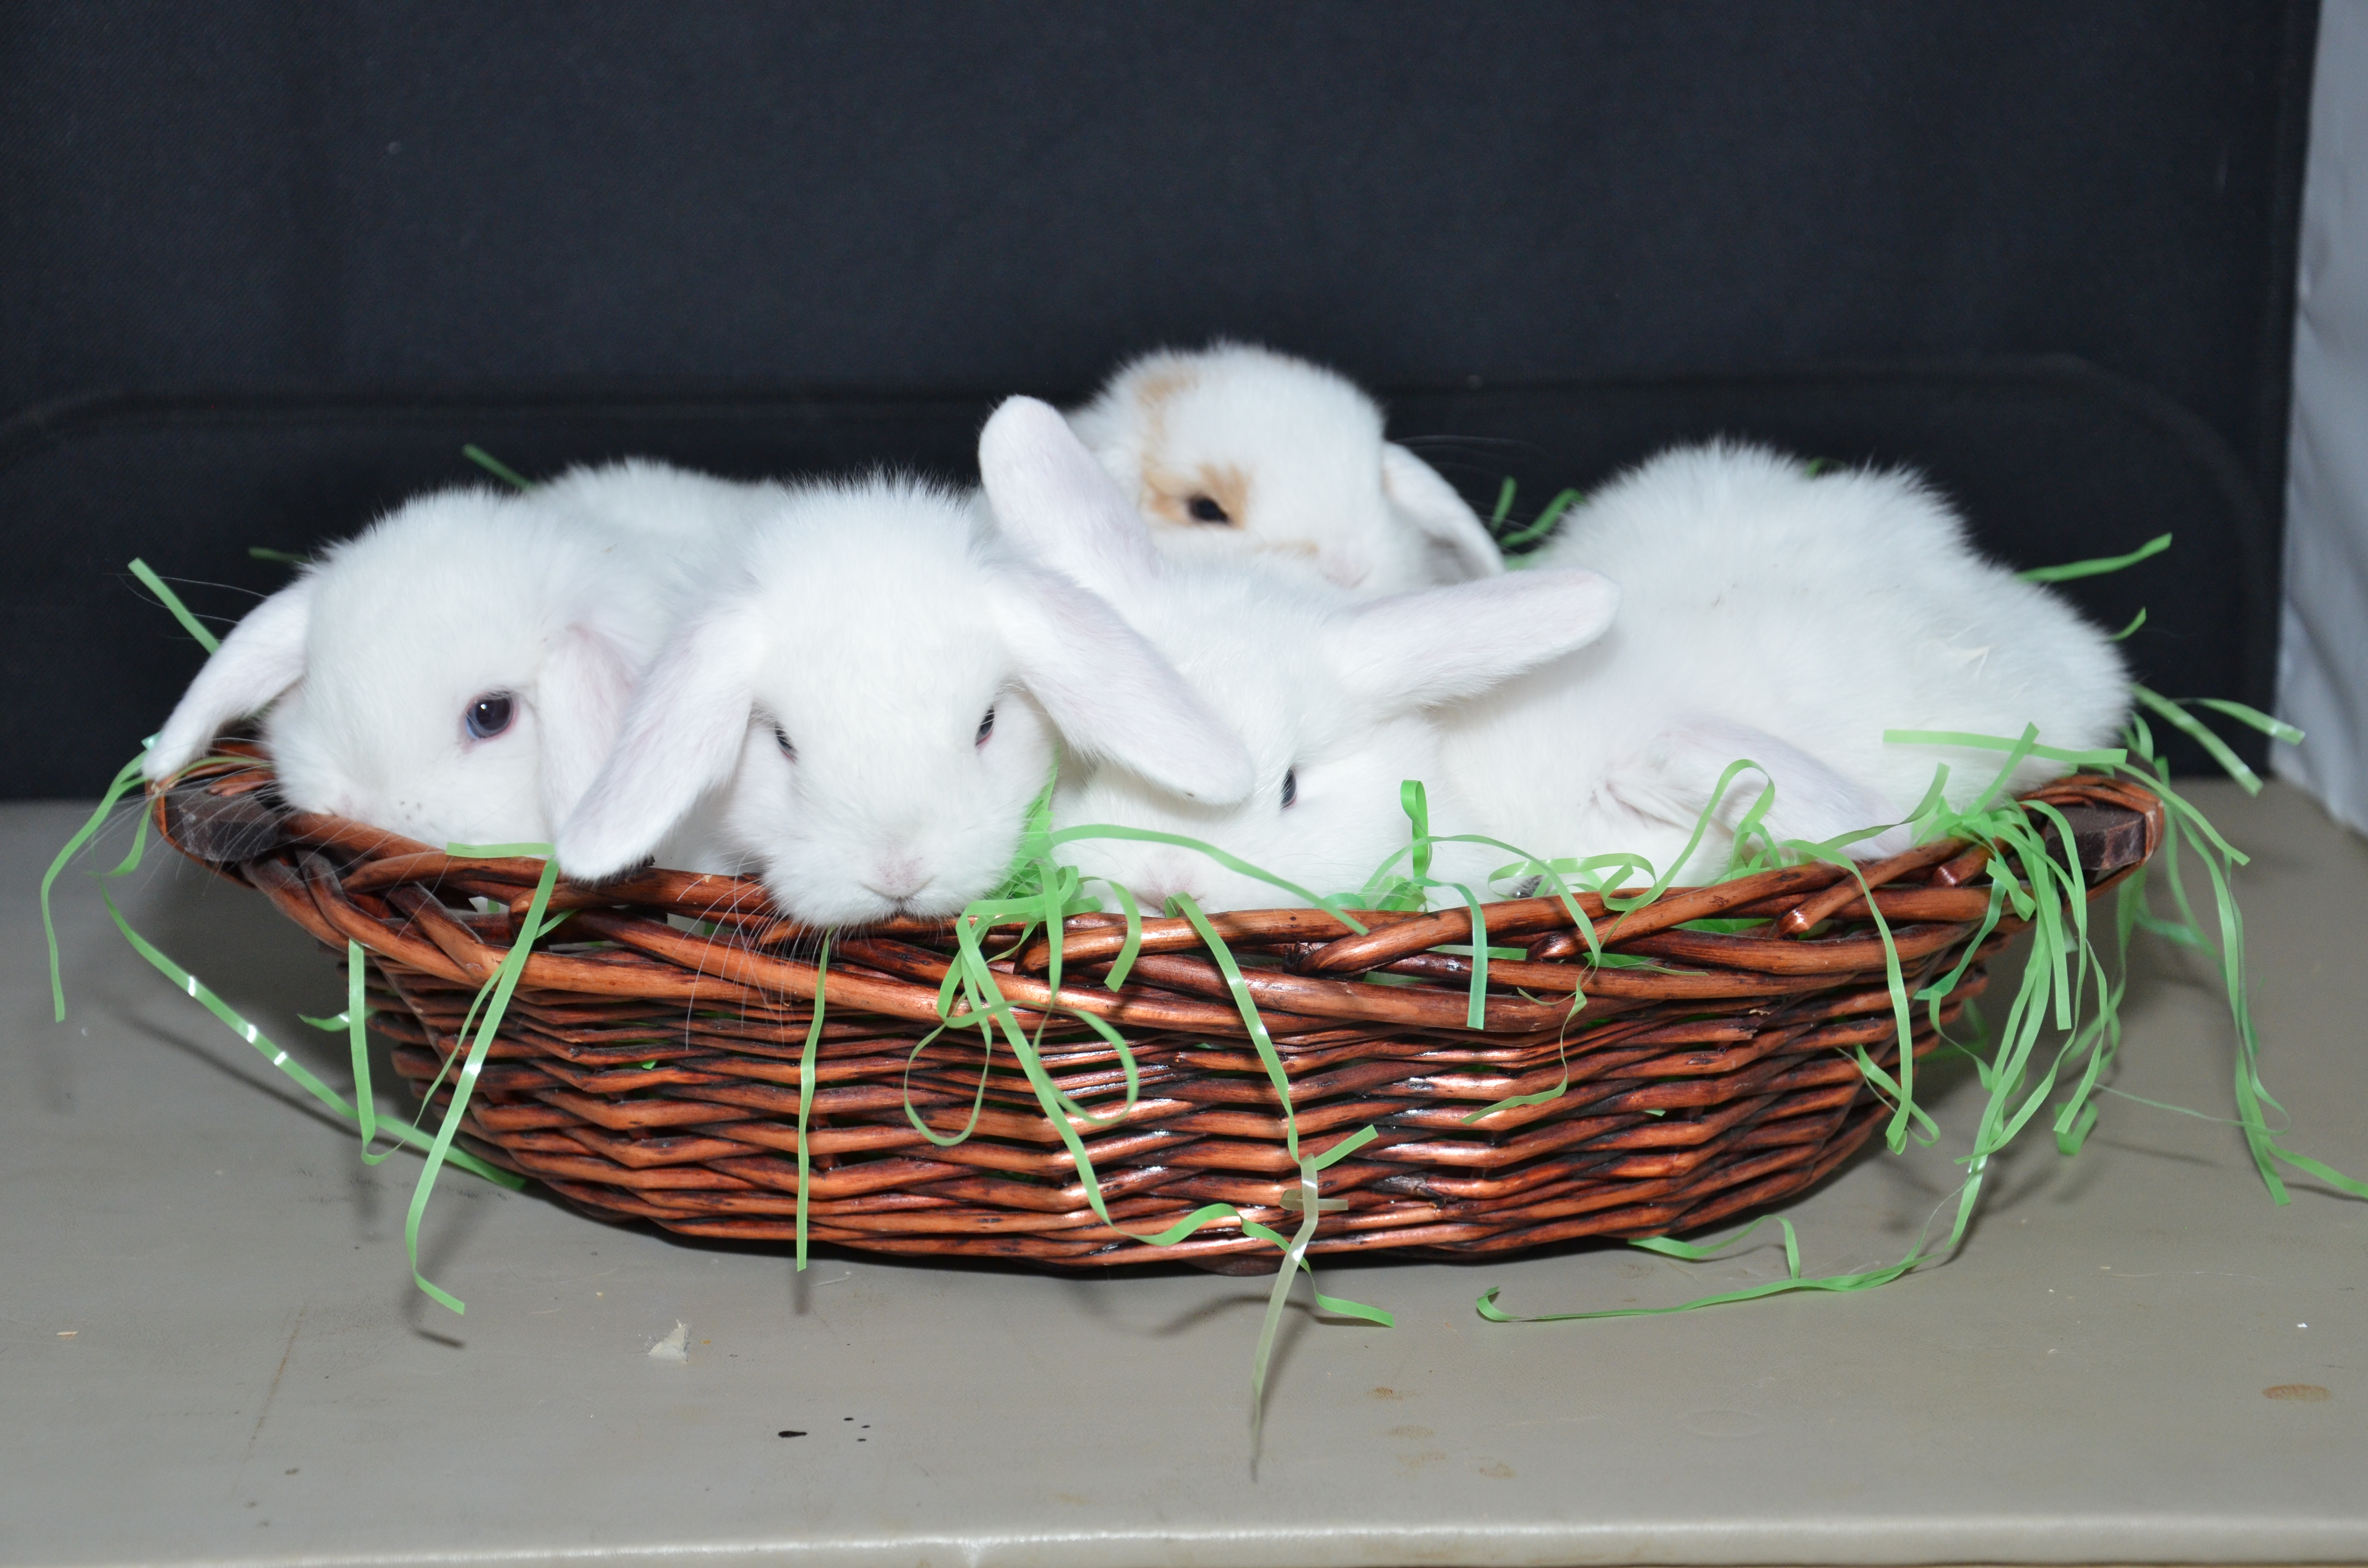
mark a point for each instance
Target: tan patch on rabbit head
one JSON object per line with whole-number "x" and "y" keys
{"x": 1155, "y": 389}
{"x": 1169, "y": 497}
{"x": 1151, "y": 390}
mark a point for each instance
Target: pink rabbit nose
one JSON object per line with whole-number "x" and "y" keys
{"x": 897, "y": 878}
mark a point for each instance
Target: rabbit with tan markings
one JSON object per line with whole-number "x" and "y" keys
{"x": 1331, "y": 693}
{"x": 1235, "y": 451}
{"x": 866, "y": 712}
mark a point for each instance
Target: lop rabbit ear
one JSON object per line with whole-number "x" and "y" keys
{"x": 1054, "y": 501}
{"x": 681, "y": 737}
{"x": 1110, "y": 694}
{"x": 1434, "y": 508}
{"x": 262, "y": 656}
{"x": 581, "y": 697}
{"x": 1416, "y": 651}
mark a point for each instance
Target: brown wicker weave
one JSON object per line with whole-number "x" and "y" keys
{"x": 647, "y": 1071}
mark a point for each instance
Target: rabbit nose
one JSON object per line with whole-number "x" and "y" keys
{"x": 897, "y": 877}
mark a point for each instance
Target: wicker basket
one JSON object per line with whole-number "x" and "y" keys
{"x": 647, "y": 1071}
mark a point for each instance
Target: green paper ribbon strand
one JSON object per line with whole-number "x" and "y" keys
{"x": 495, "y": 466}
{"x": 361, "y": 1111}
{"x": 172, "y": 601}
{"x": 1311, "y": 1206}
{"x": 329, "y": 1098}
{"x": 2186, "y": 723}
{"x": 125, "y": 780}
{"x": 358, "y": 1044}
{"x": 2099, "y": 567}
{"x": 1485, "y": 1304}
{"x": 806, "y": 1089}
{"x": 465, "y": 1083}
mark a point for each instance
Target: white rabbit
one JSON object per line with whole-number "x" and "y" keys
{"x": 671, "y": 508}
{"x": 1329, "y": 692}
{"x": 1787, "y": 619}
{"x": 867, "y": 711}
{"x": 1239, "y": 450}
{"x": 458, "y": 669}
{"x": 1762, "y": 614}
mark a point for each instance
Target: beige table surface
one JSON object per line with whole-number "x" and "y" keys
{"x": 210, "y": 1350}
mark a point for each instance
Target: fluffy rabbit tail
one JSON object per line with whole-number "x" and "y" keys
{"x": 262, "y": 656}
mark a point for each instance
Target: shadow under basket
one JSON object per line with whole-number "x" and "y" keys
{"x": 648, "y": 1070}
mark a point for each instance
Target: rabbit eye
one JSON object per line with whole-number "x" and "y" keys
{"x": 490, "y": 714}
{"x": 1204, "y": 509}
{"x": 1290, "y": 787}
{"x": 985, "y": 727}
{"x": 782, "y": 736}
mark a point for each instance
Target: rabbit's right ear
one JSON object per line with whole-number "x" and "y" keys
{"x": 581, "y": 695}
{"x": 262, "y": 656}
{"x": 1444, "y": 644}
{"x": 1439, "y": 512}
{"x": 1054, "y": 501}
{"x": 682, "y": 737}
{"x": 1110, "y": 694}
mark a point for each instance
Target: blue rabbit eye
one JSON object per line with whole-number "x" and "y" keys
{"x": 782, "y": 737}
{"x": 985, "y": 727}
{"x": 1290, "y": 787}
{"x": 490, "y": 714}
{"x": 1205, "y": 509}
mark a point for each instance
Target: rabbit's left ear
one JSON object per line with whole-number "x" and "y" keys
{"x": 1435, "y": 510}
{"x": 262, "y": 657}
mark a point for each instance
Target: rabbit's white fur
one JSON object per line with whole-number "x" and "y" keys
{"x": 370, "y": 662}
{"x": 1762, "y": 614}
{"x": 1327, "y": 690}
{"x": 1293, "y": 457}
{"x": 696, "y": 518}
{"x": 825, "y": 710}
{"x": 1790, "y": 620}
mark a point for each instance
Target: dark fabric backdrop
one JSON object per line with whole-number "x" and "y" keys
{"x": 377, "y": 204}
